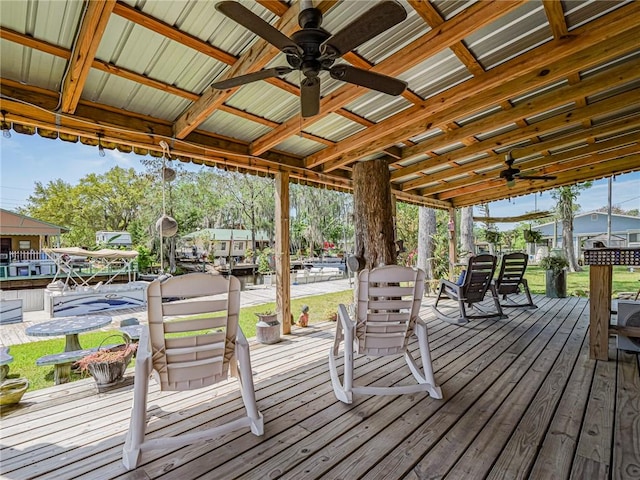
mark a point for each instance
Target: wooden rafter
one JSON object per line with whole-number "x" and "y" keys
{"x": 92, "y": 27}
{"x": 429, "y": 44}
{"x": 560, "y": 163}
{"x": 434, "y": 19}
{"x": 449, "y": 189}
{"x": 140, "y": 18}
{"x": 576, "y": 92}
{"x": 106, "y": 67}
{"x": 593, "y": 171}
{"x": 251, "y": 61}
{"x": 538, "y": 67}
{"x": 544, "y": 102}
{"x": 573, "y": 117}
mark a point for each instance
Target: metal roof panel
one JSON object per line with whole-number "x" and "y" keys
{"x": 511, "y": 35}
{"x": 232, "y": 126}
{"x": 334, "y": 127}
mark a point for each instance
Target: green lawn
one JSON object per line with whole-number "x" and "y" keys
{"x": 578, "y": 282}
{"x": 321, "y": 308}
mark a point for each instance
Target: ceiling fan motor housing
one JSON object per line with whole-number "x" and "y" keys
{"x": 309, "y": 40}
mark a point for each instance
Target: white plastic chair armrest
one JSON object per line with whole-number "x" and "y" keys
{"x": 144, "y": 344}
{"x": 344, "y": 318}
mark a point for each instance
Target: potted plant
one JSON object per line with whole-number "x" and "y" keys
{"x": 107, "y": 365}
{"x": 493, "y": 236}
{"x": 268, "y": 327}
{"x": 532, "y": 236}
{"x": 556, "y": 275}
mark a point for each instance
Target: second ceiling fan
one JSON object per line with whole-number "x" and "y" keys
{"x": 313, "y": 49}
{"x": 511, "y": 173}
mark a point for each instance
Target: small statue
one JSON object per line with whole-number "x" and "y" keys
{"x": 303, "y": 319}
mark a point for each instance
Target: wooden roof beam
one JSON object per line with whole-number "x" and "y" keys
{"x": 589, "y": 45}
{"x": 573, "y": 117}
{"x": 618, "y": 127}
{"x": 92, "y": 27}
{"x": 430, "y": 15}
{"x": 549, "y": 165}
{"x": 545, "y": 102}
{"x": 147, "y": 21}
{"x": 580, "y": 174}
{"x": 429, "y": 44}
{"x": 103, "y": 66}
{"x": 254, "y": 59}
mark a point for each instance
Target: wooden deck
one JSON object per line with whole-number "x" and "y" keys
{"x": 522, "y": 400}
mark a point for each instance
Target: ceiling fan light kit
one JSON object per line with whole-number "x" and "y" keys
{"x": 312, "y": 49}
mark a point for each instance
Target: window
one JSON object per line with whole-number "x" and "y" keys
{"x": 633, "y": 237}
{"x": 24, "y": 244}
{"x": 238, "y": 245}
{"x": 594, "y": 217}
{"x": 221, "y": 246}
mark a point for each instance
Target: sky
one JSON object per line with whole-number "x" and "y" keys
{"x": 26, "y": 159}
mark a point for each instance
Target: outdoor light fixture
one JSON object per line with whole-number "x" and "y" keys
{"x": 6, "y": 126}
{"x": 101, "y": 151}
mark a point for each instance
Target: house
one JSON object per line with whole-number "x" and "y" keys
{"x": 23, "y": 237}
{"x": 217, "y": 242}
{"x": 593, "y": 226}
{"x": 114, "y": 238}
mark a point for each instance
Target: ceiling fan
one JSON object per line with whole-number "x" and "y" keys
{"x": 313, "y": 49}
{"x": 510, "y": 174}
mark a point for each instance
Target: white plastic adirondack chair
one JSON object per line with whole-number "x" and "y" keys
{"x": 386, "y": 315}
{"x": 214, "y": 348}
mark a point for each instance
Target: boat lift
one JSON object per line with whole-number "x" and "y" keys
{"x": 66, "y": 258}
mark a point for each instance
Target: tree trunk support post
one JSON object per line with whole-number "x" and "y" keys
{"x": 373, "y": 214}
{"x": 283, "y": 280}
{"x": 453, "y": 254}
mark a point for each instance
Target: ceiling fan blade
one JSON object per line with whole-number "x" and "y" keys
{"x": 365, "y": 78}
{"x": 251, "y": 77}
{"x": 245, "y": 17}
{"x": 367, "y": 26}
{"x": 310, "y": 97}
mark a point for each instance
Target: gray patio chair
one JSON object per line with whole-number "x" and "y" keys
{"x": 511, "y": 281}
{"x": 186, "y": 353}
{"x": 478, "y": 280}
{"x": 385, "y": 317}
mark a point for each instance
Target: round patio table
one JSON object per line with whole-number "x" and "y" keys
{"x": 70, "y": 327}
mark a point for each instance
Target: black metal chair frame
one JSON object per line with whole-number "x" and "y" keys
{"x": 478, "y": 279}
{"x": 511, "y": 281}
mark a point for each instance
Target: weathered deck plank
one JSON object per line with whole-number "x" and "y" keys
{"x": 522, "y": 400}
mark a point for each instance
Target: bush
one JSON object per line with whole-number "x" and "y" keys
{"x": 554, "y": 262}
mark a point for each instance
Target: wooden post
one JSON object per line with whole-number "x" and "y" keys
{"x": 600, "y": 277}
{"x": 373, "y": 213}
{"x": 453, "y": 254}
{"x": 283, "y": 280}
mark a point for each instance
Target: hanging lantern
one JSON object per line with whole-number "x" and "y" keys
{"x": 167, "y": 226}
{"x": 168, "y": 174}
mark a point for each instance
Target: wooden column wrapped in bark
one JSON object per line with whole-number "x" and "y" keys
{"x": 373, "y": 214}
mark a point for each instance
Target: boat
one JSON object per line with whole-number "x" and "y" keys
{"x": 71, "y": 294}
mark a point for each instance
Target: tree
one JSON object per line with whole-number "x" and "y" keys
{"x": 110, "y": 201}
{"x": 565, "y": 209}
{"x": 407, "y": 227}
{"x": 467, "y": 246}
{"x": 426, "y": 240}
{"x": 374, "y": 241}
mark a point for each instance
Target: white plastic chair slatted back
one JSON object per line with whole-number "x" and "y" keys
{"x": 388, "y": 303}
{"x": 191, "y": 353}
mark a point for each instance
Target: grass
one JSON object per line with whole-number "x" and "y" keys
{"x": 321, "y": 308}
{"x": 578, "y": 282}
